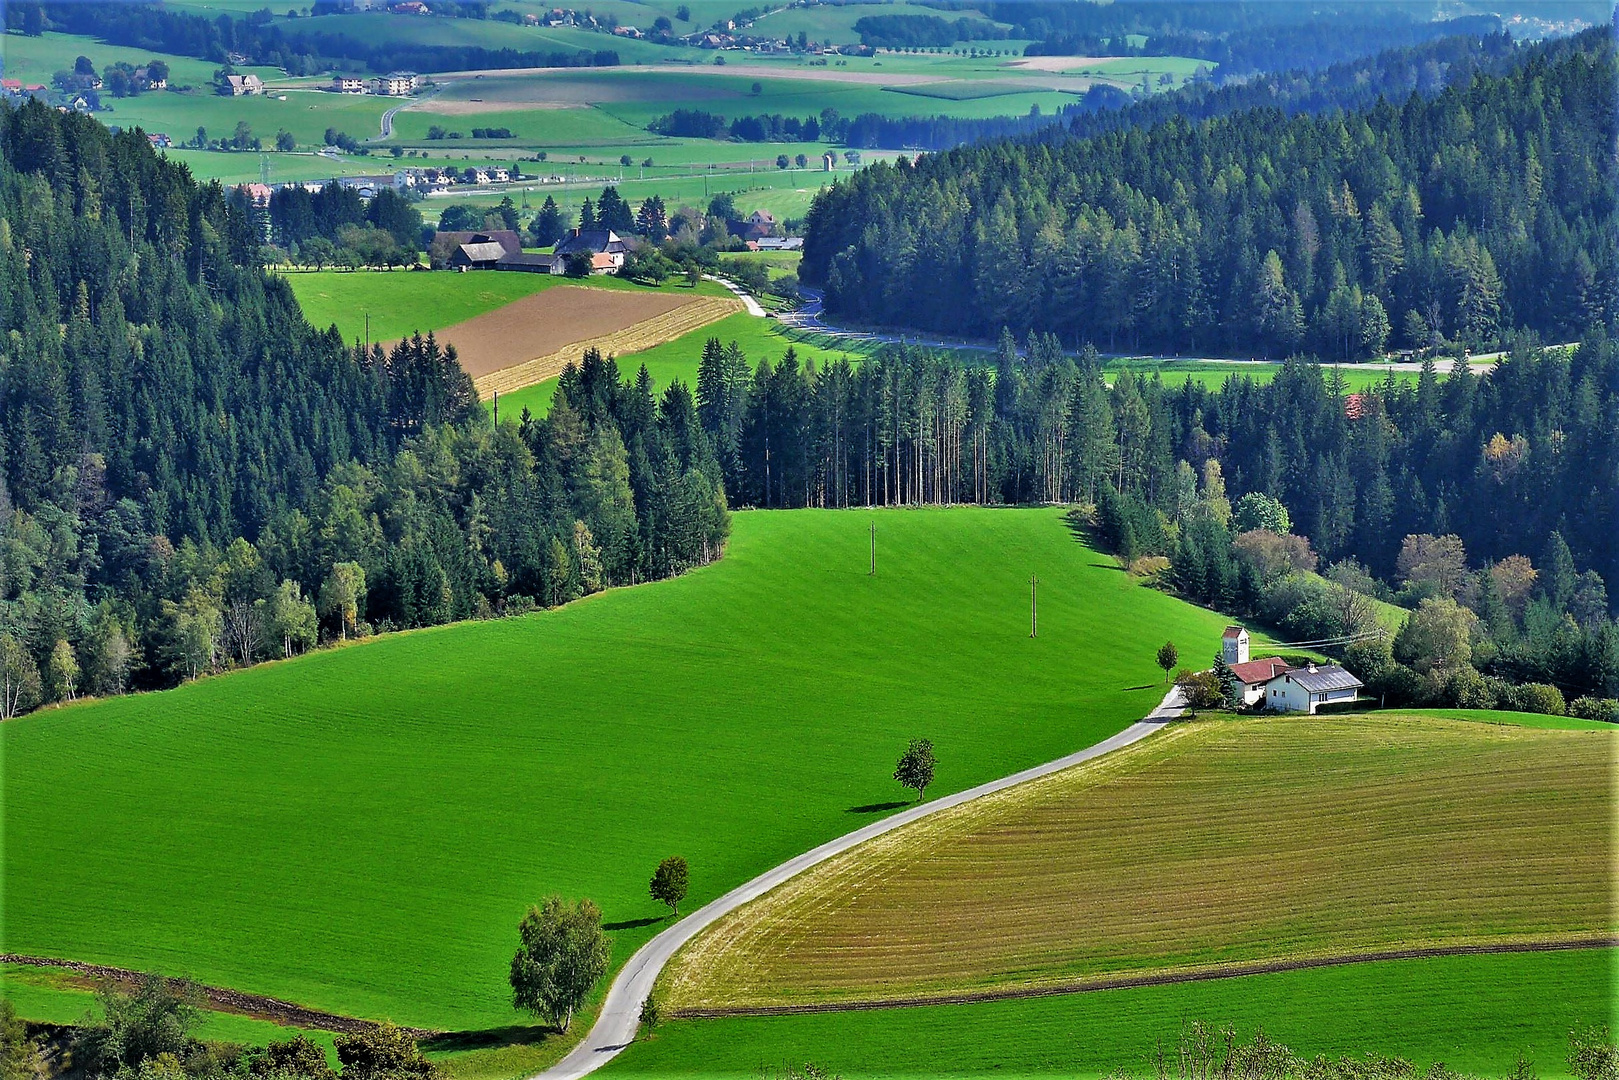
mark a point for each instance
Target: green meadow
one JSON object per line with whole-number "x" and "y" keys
{"x": 360, "y": 829}
{"x": 46, "y": 996}
{"x": 757, "y": 338}
{"x": 1474, "y": 1013}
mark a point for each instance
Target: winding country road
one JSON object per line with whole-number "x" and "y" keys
{"x": 620, "y": 1017}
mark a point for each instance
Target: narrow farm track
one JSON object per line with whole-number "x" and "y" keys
{"x": 220, "y": 998}
{"x": 1226, "y": 971}
{"x": 620, "y": 1016}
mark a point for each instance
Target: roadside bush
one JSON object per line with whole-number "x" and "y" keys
{"x": 1202, "y": 689}
{"x": 1592, "y": 708}
{"x": 1592, "y": 1055}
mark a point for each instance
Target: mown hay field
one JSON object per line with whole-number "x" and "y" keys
{"x": 360, "y": 829}
{"x": 533, "y": 339}
{"x": 1212, "y": 843}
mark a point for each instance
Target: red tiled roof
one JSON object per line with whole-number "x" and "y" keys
{"x": 1258, "y": 671}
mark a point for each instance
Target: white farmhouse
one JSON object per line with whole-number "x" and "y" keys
{"x": 1306, "y": 689}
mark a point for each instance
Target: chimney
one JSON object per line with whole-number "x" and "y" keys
{"x": 1312, "y": 669}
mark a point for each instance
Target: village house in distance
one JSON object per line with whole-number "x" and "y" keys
{"x": 1275, "y": 685}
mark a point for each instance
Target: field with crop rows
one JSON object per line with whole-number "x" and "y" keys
{"x": 503, "y": 350}
{"x": 1199, "y": 848}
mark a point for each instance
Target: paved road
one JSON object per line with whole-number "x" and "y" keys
{"x": 621, "y": 1013}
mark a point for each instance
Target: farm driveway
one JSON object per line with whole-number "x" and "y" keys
{"x": 620, "y": 1017}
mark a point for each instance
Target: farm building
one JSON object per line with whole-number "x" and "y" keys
{"x": 525, "y": 262}
{"x": 1253, "y": 675}
{"x": 478, "y": 255}
{"x": 604, "y": 246}
{"x": 242, "y": 85}
{"x": 506, "y": 238}
{"x": 1306, "y": 689}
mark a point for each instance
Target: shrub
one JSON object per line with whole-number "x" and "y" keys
{"x": 1202, "y": 689}
{"x": 1591, "y": 708}
{"x": 1539, "y": 698}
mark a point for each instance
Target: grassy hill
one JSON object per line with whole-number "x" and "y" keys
{"x": 1212, "y": 843}
{"x": 1474, "y": 1013}
{"x": 359, "y": 830}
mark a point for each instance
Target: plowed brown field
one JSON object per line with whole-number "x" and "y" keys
{"x": 545, "y": 322}
{"x": 533, "y": 339}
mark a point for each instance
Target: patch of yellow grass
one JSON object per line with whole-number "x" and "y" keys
{"x": 1212, "y": 843}
{"x": 632, "y": 339}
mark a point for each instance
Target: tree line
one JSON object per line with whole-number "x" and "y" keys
{"x": 285, "y": 45}
{"x": 1451, "y": 219}
{"x": 1518, "y": 468}
{"x": 192, "y": 478}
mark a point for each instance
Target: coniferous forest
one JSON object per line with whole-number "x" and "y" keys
{"x": 1449, "y": 219}
{"x": 192, "y": 477}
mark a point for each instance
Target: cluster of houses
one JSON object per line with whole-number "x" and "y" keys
{"x": 1273, "y": 684}
{"x": 393, "y": 84}
{"x": 502, "y": 249}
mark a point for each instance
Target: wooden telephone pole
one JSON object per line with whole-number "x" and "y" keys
{"x": 873, "y": 571}
{"x": 1034, "y": 606}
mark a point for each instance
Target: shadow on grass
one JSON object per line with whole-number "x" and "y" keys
{"x": 489, "y": 1038}
{"x": 631, "y": 924}
{"x": 1143, "y": 686}
{"x": 875, "y": 808}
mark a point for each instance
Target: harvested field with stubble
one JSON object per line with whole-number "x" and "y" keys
{"x": 533, "y": 339}
{"x": 1215, "y": 844}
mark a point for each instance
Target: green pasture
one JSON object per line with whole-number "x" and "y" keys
{"x": 835, "y": 23}
{"x": 402, "y": 302}
{"x": 1474, "y": 1013}
{"x": 758, "y": 338}
{"x": 36, "y": 59}
{"x": 305, "y": 113}
{"x": 360, "y": 829}
{"x": 1214, "y": 373}
{"x": 1516, "y": 719}
{"x": 52, "y": 997}
{"x": 398, "y": 29}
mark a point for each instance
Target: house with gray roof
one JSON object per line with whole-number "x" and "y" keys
{"x": 1306, "y": 689}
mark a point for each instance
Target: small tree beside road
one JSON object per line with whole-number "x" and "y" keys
{"x": 1168, "y": 657}
{"x": 669, "y": 883}
{"x": 563, "y": 954}
{"x": 915, "y": 768}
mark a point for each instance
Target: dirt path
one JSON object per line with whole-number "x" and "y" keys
{"x": 1228, "y": 971}
{"x": 218, "y": 998}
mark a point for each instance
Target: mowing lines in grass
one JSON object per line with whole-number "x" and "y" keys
{"x": 1211, "y": 843}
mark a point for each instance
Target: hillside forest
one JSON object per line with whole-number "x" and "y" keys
{"x": 192, "y": 477}
{"x": 1448, "y": 219}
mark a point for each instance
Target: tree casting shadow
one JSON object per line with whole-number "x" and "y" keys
{"x": 515, "y": 1035}
{"x": 875, "y": 808}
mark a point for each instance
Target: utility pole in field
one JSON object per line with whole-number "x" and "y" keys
{"x": 873, "y": 571}
{"x": 1034, "y": 606}
{"x": 497, "y": 409}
